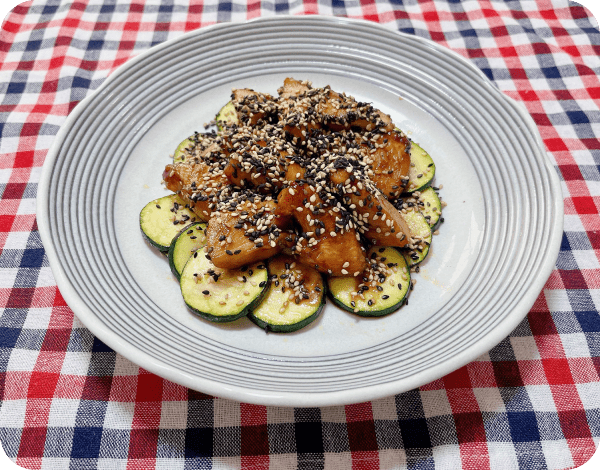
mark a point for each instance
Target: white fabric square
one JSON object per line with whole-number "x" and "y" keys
{"x": 283, "y": 461}
{"x": 575, "y": 345}
{"x": 76, "y": 363}
{"x": 16, "y": 241}
{"x": 63, "y": 412}
{"x": 485, "y": 357}
{"x": 12, "y": 413}
{"x": 280, "y": 415}
{"x": 27, "y": 206}
{"x": 446, "y": 457}
{"x": 589, "y": 395}
{"x": 118, "y": 464}
{"x": 37, "y": 318}
{"x": 573, "y": 82}
{"x": 226, "y": 413}
{"x": 594, "y": 189}
{"x": 583, "y": 157}
{"x": 173, "y": 414}
{"x": 435, "y": 403}
{"x": 557, "y": 300}
{"x": 225, "y": 463}
{"x": 384, "y": 408}
{"x": 119, "y": 415}
{"x": 22, "y": 359}
{"x": 45, "y": 277}
{"x": 395, "y": 459}
{"x": 8, "y": 278}
{"x": 52, "y": 463}
{"x": 5, "y": 172}
{"x": 333, "y": 414}
{"x": 524, "y": 348}
{"x": 125, "y": 366}
{"x": 557, "y": 454}
{"x": 572, "y": 221}
{"x": 502, "y": 456}
{"x": 566, "y": 131}
{"x": 489, "y": 399}
{"x": 170, "y": 464}
{"x": 541, "y": 398}
{"x": 337, "y": 461}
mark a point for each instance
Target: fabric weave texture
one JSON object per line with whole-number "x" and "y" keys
{"x": 69, "y": 401}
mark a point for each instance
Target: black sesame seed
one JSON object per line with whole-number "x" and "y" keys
{"x": 205, "y": 292}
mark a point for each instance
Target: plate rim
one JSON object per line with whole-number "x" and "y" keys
{"x": 240, "y": 393}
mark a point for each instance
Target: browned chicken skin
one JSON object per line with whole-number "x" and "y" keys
{"x": 327, "y": 246}
{"x": 385, "y": 225}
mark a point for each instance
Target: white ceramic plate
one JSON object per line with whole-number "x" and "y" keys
{"x": 495, "y": 250}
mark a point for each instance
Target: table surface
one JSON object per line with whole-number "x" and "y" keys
{"x": 69, "y": 401}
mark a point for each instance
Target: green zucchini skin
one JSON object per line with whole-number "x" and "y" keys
{"x": 157, "y": 220}
{"x": 287, "y": 328}
{"x": 418, "y": 226}
{"x": 421, "y": 171}
{"x": 227, "y": 115}
{"x": 179, "y": 155}
{"x": 207, "y": 306}
{"x": 340, "y": 288}
{"x": 182, "y": 242}
{"x": 273, "y": 315}
{"x": 432, "y": 207}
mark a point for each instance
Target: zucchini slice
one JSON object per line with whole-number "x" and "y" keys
{"x": 421, "y": 171}
{"x": 227, "y": 116}
{"x": 431, "y": 206}
{"x": 421, "y": 231}
{"x": 163, "y": 218}
{"x": 190, "y": 239}
{"x": 180, "y": 151}
{"x": 222, "y": 295}
{"x": 383, "y": 294}
{"x": 285, "y": 309}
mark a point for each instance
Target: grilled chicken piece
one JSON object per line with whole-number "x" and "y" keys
{"x": 257, "y": 173}
{"x": 251, "y": 106}
{"x": 386, "y": 226}
{"x": 341, "y": 112}
{"x": 228, "y": 245}
{"x": 338, "y": 254}
{"x": 391, "y": 163}
{"x": 293, "y": 88}
{"x": 296, "y": 110}
{"x": 188, "y": 178}
{"x": 294, "y": 172}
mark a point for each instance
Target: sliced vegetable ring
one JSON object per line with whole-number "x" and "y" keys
{"x": 384, "y": 293}
{"x": 222, "y": 295}
{"x": 162, "y": 219}
{"x": 286, "y": 309}
{"x": 184, "y": 245}
{"x": 421, "y": 231}
{"x": 422, "y": 169}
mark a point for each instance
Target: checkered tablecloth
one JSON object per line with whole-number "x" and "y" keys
{"x": 68, "y": 401}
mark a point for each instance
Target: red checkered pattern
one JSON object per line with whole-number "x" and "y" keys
{"x": 68, "y": 401}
